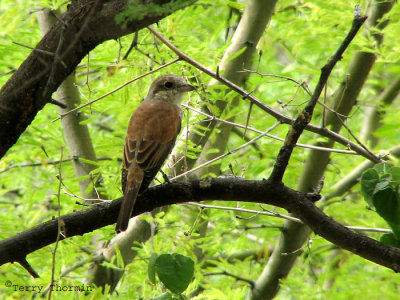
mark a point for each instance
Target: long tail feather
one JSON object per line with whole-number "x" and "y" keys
{"x": 125, "y": 211}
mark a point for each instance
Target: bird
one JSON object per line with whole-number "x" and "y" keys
{"x": 151, "y": 135}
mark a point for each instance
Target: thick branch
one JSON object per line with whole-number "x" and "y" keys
{"x": 19, "y": 246}
{"x": 85, "y": 25}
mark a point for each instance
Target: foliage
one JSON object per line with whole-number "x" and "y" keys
{"x": 135, "y": 10}
{"x": 380, "y": 188}
{"x": 298, "y": 42}
{"x": 174, "y": 270}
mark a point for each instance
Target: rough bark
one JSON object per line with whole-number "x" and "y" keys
{"x": 76, "y": 135}
{"x": 16, "y": 248}
{"x": 85, "y": 25}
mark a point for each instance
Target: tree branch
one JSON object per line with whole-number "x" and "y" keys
{"x": 85, "y": 25}
{"x": 254, "y": 100}
{"x": 305, "y": 116}
{"x": 16, "y": 248}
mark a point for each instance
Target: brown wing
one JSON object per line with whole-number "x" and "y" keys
{"x": 151, "y": 136}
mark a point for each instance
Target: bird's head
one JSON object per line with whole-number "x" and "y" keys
{"x": 169, "y": 88}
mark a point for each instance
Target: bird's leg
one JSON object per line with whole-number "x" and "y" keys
{"x": 165, "y": 176}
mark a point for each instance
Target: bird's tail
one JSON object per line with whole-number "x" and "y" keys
{"x": 126, "y": 209}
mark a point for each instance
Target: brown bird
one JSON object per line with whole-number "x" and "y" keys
{"x": 151, "y": 135}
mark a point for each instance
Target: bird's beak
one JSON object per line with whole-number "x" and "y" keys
{"x": 186, "y": 87}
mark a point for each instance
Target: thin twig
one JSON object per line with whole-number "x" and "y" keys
{"x": 225, "y": 154}
{"x": 305, "y": 116}
{"x": 117, "y": 89}
{"x": 239, "y": 278}
{"x": 256, "y": 212}
{"x": 58, "y": 103}
{"x": 248, "y": 118}
{"x": 60, "y": 225}
{"x": 278, "y": 215}
{"x": 49, "y": 287}
{"x": 34, "y": 49}
{"x": 212, "y": 118}
{"x": 353, "y": 135}
{"x": 281, "y": 118}
{"x": 301, "y": 84}
{"x": 44, "y": 163}
{"x": 94, "y": 200}
{"x": 133, "y": 45}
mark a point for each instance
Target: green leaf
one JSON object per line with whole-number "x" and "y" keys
{"x": 369, "y": 179}
{"x": 390, "y": 239}
{"x": 197, "y": 131}
{"x": 396, "y": 230}
{"x": 383, "y": 183}
{"x": 396, "y": 174}
{"x": 175, "y": 271}
{"x": 202, "y": 128}
{"x": 382, "y": 168}
{"x": 387, "y": 204}
{"x": 120, "y": 260}
{"x": 86, "y": 121}
{"x": 236, "y": 5}
{"x": 88, "y": 161}
{"x": 191, "y": 148}
{"x": 191, "y": 155}
{"x": 151, "y": 269}
{"x": 236, "y": 54}
{"x": 84, "y": 177}
{"x": 89, "y": 188}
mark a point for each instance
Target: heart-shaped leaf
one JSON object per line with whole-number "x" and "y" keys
{"x": 175, "y": 271}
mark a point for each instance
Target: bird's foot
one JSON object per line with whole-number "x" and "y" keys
{"x": 165, "y": 176}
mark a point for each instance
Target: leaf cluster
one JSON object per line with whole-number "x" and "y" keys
{"x": 380, "y": 188}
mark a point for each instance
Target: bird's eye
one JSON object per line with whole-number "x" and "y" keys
{"x": 168, "y": 84}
